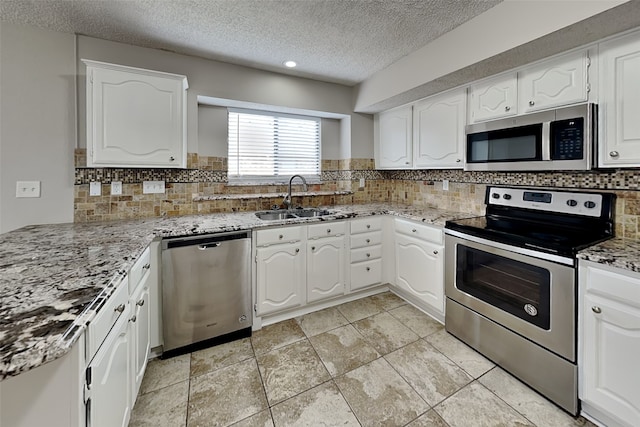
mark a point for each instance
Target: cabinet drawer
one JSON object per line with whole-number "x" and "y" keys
{"x": 620, "y": 285}
{"x": 107, "y": 316}
{"x": 366, "y": 239}
{"x": 366, "y": 225}
{"x": 366, "y": 254}
{"x": 139, "y": 269}
{"x": 365, "y": 274}
{"x": 326, "y": 229}
{"x": 278, "y": 235}
{"x": 421, "y": 231}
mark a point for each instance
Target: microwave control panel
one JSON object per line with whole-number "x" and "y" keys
{"x": 567, "y": 139}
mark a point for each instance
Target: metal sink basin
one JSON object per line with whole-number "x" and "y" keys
{"x": 296, "y": 213}
{"x": 307, "y": 213}
{"x": 273, "y": 216}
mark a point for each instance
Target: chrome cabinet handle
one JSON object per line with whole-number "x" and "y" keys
{"x": 531, "y": 103}
{"x": 368, "y": 225}
{"x": 140, "y": 303}
{"x": 133, "y": 319}
{"x": 406, "y": 163}
{"x": 280, "y": 237}
{"x": 328, "y": 230}
{"x": 507, "y": 108}
{"x": 313, "y": 248}
{"x": 614, "y": 154}
{"x": 172, "y": 158}
{"x": 368, "y": 255}
{"x": 596, "y": 309}
{"x": 414, "y": 230}
{"x": 368, "y": 268}
{"x": 297, "y": 250}
{"x": 119, "y": 308}
{"x": 146, "y": 266}
{"x": 368, "y": 240}
{"x": 435, "y": 252}
{"x": 458, "y": 160}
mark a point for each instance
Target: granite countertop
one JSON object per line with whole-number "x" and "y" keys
{"x": 616, "y": 252}
{"x": 55, "y": 278}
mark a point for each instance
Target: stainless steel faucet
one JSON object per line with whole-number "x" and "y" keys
{"x": 287, "y": 199}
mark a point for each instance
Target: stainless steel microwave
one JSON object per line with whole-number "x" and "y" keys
{"x": 560, "y": 139}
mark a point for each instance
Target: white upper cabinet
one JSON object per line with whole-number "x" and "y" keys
{"x": 135, "y": 117}
{"x": 619, "y": 138}
{"x": 438, "y": 131}
{"x": 494, "y": 99}
{"x": 394, "y": 139}
{"x": 560, "y": 81}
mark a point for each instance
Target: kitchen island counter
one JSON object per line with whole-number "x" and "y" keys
{"x": 55, "y": 278}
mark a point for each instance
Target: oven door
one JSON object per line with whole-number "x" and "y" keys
{"x": 530, "y": 296}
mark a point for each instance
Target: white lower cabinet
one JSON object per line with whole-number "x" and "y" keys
{"x": 325, "y": 268}
{"x": 609, "y": 346}
{"x": 140, "y": 334}
{"x": 365, "y": 242}
{"x": 280, "y": 277}
{"x": 419, "y": 264}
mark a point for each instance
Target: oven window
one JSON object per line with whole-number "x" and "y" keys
{"x": 515, "y": 287}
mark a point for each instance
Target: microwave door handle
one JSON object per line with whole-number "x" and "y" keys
{"x": 546, "y": 141}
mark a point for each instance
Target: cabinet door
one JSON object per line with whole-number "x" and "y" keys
{"x": 135, "y": 118}
{"x": 560, "y": 81}
{"x": 619, "y": 143}
{"x": 110, "y": 400}
{"x": 280, "y": 277}
{"x": 419, "y": 270}
{"x": 438, "y": 124}
{"x": 325, "y": 268}
{"x": 394, "y": 139}
{"x": 494, "y": 99}
{"x": 140, "y": 345}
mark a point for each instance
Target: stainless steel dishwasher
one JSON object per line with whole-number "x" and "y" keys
{"x": 206, "y": 290}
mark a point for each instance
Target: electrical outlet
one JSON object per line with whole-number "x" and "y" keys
{"x": 153, "y": 187}
{"x": 116, "y": 188}
{"x": 95, "y": 188}
{"x": 445, "y": 185}
{"x": 361, "y": 182}
{"x": 28, "y": 189}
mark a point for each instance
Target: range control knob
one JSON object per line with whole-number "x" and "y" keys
{"x": 495, "y": 195}
{"x": 589, "y": 204}
{"x": 572, "y": 202}
{"x": 506, "y": 196}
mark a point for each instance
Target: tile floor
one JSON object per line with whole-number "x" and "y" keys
{"x": 373, "y": 362}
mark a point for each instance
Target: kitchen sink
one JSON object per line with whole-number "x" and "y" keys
{"x": 296, "y": 213}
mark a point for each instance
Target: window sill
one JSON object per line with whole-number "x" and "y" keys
{"x": 270, "y": 195}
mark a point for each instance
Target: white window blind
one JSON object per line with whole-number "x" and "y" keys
{"x": 272, "y": 146}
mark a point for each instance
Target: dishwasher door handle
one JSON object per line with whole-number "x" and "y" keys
{"x": 208, "y": 246}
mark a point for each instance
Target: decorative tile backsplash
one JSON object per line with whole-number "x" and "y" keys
{"x": 187, "y": 189}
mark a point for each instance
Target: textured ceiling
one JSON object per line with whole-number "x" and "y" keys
{"x": 340, "y": 41}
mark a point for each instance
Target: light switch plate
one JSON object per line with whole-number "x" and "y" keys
{"x": 361, "y": 182}
{"x": 116, "y": 188}
{"x": 28, "y": 189}
{"x": 153, "y": 187}
{"x": 95, "y": 188}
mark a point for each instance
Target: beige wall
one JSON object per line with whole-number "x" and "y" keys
{"x": 37, "y": 124}
{"x": 222, "y": 80}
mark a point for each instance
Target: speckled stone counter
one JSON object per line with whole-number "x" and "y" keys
{"x": 55, "y": 278}
{"x": 621, "y": 253}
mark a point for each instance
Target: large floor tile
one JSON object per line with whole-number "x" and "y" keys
{"x": 526, "y": 401}
{"x": 388, "y": 300}
{"x": 428, "y": 371}
{"x": 343, "y": 349}
{"x": 261, "y": 419}
{"x": 416, "y": 320}
{"x": 464, "y": 356}
{"x": 166, "y": 407}
{"x": 290, "y": 370}
{"x": 385, "y": 333}
{"x": 359, "y": 309}
{"x": 226, "y": 396}
{"x": 162, "y": 373}
{"x": 430, "y": 419}
{"x": 474, "y": 405}
{"x": 322, "y": 405}
{"x": 212, "y": 358}
{"x": 321, "y": 321}
{"x": 379, "y": 396}
{"x": 276, "y": 336}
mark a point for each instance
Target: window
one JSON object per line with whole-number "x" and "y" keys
{"x": 270, "y": 147}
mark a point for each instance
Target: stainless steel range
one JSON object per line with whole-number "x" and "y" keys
{"x": 510, "y": 282}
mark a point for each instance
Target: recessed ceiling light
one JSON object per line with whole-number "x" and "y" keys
{"x": 290, "y": 64}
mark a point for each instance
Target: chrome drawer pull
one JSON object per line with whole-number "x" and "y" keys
{"x": 368, "y": 240}
{"x": 140, "y": 303}
{"x": 119, "y": 308}
{"x": 368, "y": 226}
{"x": 297, "y": 250}
{"x": 146, "y": 266}
{"x": 368, "y": 255}
{"x": 435, "y": 252}
{"x": 596, "y": 309}
{"x": 133, "y": 319}
{"x": 368, "y": 268}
